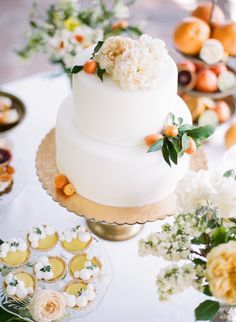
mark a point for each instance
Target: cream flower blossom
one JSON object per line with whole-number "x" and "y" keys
{"x": 221, "y": 272}
{"x": 112, "y": 48}
{"x": 47, "y": 306}
{"x": 156, "y": 47}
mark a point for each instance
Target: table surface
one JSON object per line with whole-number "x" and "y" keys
{"x": 132, "y": 294}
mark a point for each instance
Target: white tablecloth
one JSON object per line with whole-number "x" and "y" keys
{"x": 132, "y": 294}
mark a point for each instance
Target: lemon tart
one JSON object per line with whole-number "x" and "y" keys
{"x": 50, "y": 269}
{"x": 19, "y": 284}
{"x": 43, "y": 237}
{"x": 14, "y": 252}
{"x": 75, "y": 239}
{"x": 78, "y": 294}
{"x": 84, "y": 267}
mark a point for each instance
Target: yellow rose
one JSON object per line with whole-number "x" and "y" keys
{"x": 221, "y": 272}
{"x": 47, "y": 306}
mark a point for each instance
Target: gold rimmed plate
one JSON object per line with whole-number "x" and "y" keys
{"x": 17, "y": 105}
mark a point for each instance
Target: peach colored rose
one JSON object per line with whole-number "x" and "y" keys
{"x": 112, "y": 48}
{"x": 47, "y": 305}
{"x": 221, "y": 272}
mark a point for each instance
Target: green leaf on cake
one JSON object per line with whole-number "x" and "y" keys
{"x": 97, "y": 47}
{"x": 156, "y": 146}
{"x": 166, "y": 154}
{"x": 185, "y": 141}
{"x": 186, "y": 127}
{"x": 76, "y": 69}
{"x": 134, "y": 30}
{"x": 230, "y": 173}
{"x": 202, "y": 132}
{"x": 172, "y": 152}
{"x": 172, "y": 117}
{"x": 100, "y": 73}
{"x": 207, "y": 310}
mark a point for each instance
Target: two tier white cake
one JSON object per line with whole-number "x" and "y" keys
{"x": 101, "y": 128}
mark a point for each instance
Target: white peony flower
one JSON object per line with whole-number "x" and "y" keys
{"x": 112, "y": 48}
{"x": 136, "y": 69}
{"x": 156, "y": 47}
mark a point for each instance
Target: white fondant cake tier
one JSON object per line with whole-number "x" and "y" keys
{"x": 121, "y": 176}
{"x": 109, "y": 114}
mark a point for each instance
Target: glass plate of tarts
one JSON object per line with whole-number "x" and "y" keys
{"x": 12, "y": 176}
{"x": 71, "y": 263}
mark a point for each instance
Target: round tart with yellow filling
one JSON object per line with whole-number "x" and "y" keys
{"x": 14, "y": 252}
{"x": 43, "y": 237}
{"x": 78, "y": 294}
{"x": 19, "y": 284}
{"x": 75, "y": 239}
{"x": 50, "y": 269}
{"x": 85, "y": 267}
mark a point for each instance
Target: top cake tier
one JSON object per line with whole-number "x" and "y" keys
{"x": 129, "y": 105}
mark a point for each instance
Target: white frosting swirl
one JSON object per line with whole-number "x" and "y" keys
{"x": 77, "y": 232}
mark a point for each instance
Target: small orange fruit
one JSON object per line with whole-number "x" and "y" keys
{"x": 151, "y": 139}
{"x": 223, "y": 111}
{"x": 192, "y": 147}
{"x": 79, "y": 37}
{"x": 5, "y": 177}
{"x": 69, "y": 189}
{"x": 90, "y": 66}
{"x": 230, "y": 136}
{"x": 121, "y": 24}
{"x": 61, "y": 181}
{"x": 206, "y": 81}
{"x": 10, "y": 170}
{"x": 171, "y": 130}
{"x": 217, "y": 69}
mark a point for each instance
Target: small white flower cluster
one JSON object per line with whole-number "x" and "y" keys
{"x": 133, "y": 64}
{"x": 82, "y": 298}
{"x": 77, "y": 232}
{"x": 202, "y": 188}
{"x": 168, "y": 244}
{"x": 90, "y": 270}
{"x": 16, "y": 288}
{"x": 174, "y": 279}
{"x": 13, "y": 245}
{"x": 67, "y": 45}
{"x": 40, "y": 232}
{"x": 212, "y": 51}
{"x": 43, "y": 269}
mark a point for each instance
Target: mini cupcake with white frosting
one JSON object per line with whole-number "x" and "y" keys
{"x": 50, "y": 268}
{"x": 43, "y": 237}
{"x": 19, "y": 285}
{"x": 79, "y": 294}
{"x": 14, "y": 252}
{"x": 76, "y": 239}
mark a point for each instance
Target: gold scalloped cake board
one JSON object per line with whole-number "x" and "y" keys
{"x": 98, "y": 213}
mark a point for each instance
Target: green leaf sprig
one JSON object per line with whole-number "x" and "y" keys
{"x": 174, "y": 147}
{"x": 99, "y": 71}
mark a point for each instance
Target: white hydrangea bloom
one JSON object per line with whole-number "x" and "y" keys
{"x": 202, "y": 188}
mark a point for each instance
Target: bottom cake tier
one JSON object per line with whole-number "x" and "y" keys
{"x": 113, "y": 175}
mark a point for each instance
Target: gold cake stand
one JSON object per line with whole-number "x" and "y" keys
{"x": 111, "y": 223}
